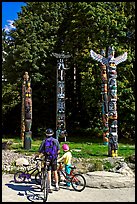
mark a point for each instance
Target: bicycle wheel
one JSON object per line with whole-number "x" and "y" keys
{"x": 42, "y": 180}
{"x": 38, "y": 178}
{"x": 78, "y": 182}
{"x": 19, "y": 177}
{"x": 45, "y": 187}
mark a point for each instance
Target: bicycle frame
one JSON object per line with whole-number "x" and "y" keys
{"x": 27, "y": 173}
{"x": 76, "y": 179}
{"x": 68, "y": 177}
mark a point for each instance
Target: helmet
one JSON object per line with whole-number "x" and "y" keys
{"x": 49, "y": 132}
{"x": 65, "y": 147}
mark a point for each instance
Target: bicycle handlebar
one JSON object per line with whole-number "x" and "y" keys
{"x": 72, "y": 167}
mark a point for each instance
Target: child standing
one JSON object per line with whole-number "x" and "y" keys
{"x": 67, "y": 160}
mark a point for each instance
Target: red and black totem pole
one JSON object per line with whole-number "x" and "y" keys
{"x": 26, "y": 116}
{"x": 110, "y": 99}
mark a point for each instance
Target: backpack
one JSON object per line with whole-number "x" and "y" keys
{"x": 51, "y": 149}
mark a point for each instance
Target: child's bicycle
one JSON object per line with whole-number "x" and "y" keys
{"x": 77, "y": 180}
{"x": 20, "y": 176}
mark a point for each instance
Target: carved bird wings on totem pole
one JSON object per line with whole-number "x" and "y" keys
{"x": 106, "y": 61}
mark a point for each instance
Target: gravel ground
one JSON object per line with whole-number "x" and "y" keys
{"x": 30, "y": 192}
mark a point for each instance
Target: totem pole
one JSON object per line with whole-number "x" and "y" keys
{"x": 23, "y": 111}
{"x": 26, "y": 119}
{"x": 104, "y": 101}
{"x": 111, "y": 64}
{"x": 60, "y": 103}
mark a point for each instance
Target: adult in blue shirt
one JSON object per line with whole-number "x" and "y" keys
{"x": 53, "y": 163}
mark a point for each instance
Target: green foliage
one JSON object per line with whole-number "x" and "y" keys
{"x": 41, "y": 132}
{"x": 107, "y": 165}
{"x": 10, "y": 97}
{"x": 75, "y": 27}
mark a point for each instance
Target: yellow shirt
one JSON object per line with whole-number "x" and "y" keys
{"x": 66, "y": 157}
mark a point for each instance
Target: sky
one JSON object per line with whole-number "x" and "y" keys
{"x": 9, "y": 13}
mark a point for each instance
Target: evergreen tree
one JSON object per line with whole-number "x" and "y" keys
{"x": 75, "y": 27}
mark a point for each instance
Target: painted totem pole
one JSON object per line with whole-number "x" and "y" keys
{"x": 104, "y": 92}
{"x": 26, "y": 119}
{"x": 111, "y": 100}
{"x": 60, "y": 99}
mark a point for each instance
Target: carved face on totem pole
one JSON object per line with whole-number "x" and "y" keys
{"x": 26, "y": 76}
{"x": 111, "y": 52}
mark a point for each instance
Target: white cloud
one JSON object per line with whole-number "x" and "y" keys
{"x": 10, "y": 26}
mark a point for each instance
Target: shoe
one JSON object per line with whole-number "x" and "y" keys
{"x": 57, "y": 188}
{"x": 28, "y": 180}
{"x": 66, "y": 185}
{"x": 50, "y": 190}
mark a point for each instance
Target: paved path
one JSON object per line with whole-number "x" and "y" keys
{"x": 30, "y": 192}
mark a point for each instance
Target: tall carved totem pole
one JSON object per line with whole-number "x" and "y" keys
{"x": 109, "y": 96}
{"x": 60, "y": 98}
{"x": 104, "y": 92}
{"x": 26, "y": 115}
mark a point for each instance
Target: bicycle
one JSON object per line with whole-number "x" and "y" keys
{"x": 77, "y": 180}
{"x": 44, "y": 179}
{"x": 42, "y": 176}
{"x": 21, "y": 175}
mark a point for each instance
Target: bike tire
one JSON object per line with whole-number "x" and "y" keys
{"x": 45, "y": 188}
{"x": 19, "y": 177}
{"x": 78, "y": 182}
{"x": 42, "y": 180}
{"x": 38, "y": 178}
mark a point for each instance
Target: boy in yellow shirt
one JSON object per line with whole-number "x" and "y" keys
{"x": 67, "y": 160}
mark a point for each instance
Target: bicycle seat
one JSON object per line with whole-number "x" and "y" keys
{"x": 60, "y": 162}
{"x": 25, "y": 165}
{"x": 38, "y": 159}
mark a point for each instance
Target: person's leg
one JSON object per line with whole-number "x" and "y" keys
{"x": 56, "y": 178}
{"x": 49, "y": 179}
{"x": 54, "y": 168}
{"x": 67, "y": 170}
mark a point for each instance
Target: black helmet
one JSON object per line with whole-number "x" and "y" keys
{"x": 49, "y": 132}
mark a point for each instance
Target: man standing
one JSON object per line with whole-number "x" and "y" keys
{"x": 51, "y": 155}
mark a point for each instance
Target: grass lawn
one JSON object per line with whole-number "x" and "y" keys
{"x": 80, "y": 147}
